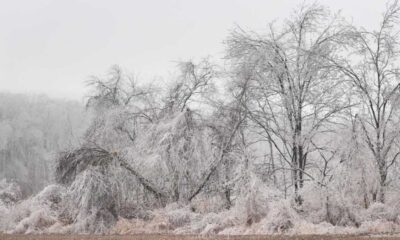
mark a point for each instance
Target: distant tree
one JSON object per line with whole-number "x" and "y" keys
{"x": 32, "y": 129}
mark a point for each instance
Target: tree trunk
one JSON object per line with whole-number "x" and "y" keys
{"x": 382, "y": 183}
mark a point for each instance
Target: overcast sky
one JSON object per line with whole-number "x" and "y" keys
{"x": 51, "y": 47}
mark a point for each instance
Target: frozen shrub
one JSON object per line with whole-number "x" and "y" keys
{"x": 212, "y": 229}
{"x": 37, "y": 222}
{"x": 131, "y": 210}
{"x": 179, "y": 217}
{"x": 38, "y": 213}
{"x": 51, "y": 195}
{"x": 313, "y": 207}
{"x": 4, "y": 211}
{"x": 159, "y": 222}
{"x": 321, "y": 204}
{"x": 252, "y": 204}
{"x": 280, "y": 219}
{"x": 206, "y": 204}
{"x": 177, "y": 220}
{"x": 10, "y": 193}
{"x": 380, "y": 211}
{"x": 340, "y": 212}
{"x": 205, "y": 223}
{"x": 256, "y": 204}
{"x": 170, "y": 218}
{"x": 163, "y": 220}
{"x": 91, "y": 203}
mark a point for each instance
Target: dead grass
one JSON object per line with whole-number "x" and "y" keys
{"x": 185, "y": 237}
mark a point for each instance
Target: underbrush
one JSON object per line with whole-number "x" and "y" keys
{"x": 257, "y": 211}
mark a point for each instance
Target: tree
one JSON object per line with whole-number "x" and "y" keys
{"x": 195, "y": 80}
{"x": 294, "y": 94}
{"x": 369, "y": 62}
{"x": 119, "y": 89}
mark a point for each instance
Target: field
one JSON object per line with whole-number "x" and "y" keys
{"x": 180, "y": 237}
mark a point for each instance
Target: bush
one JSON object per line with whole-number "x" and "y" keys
{"x": 10, "y": 193}
{"x": 280, "y": 219}
{"x": 380, "y": 211}
{"x": 36, "y": 214}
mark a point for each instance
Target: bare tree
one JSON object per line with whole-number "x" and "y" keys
{"x": 195, "y": 79}
{"x": 118, "y": 89}
{"x": 293, "y": 92}
{"x": 111, "y": 91}
{"x": 370, "y": 64}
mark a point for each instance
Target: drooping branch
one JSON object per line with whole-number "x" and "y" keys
{"x": 226, "y": 144}
{"x": 214, "y": 165}
{"x": 70, "y": 164}
{"x": 142, "y": 180}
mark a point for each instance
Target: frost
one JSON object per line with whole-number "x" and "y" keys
{"x": 280, "y": 219}
{"x": 380, "y": 211}
{"x": 10, "y": 193}
{"x": 36, "y": 214}
{"x": 91, "y": 203}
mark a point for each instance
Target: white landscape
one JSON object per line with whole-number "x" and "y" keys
{"x": 294, "y": 130}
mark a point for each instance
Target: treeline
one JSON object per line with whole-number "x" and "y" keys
{"x": 33, "y": 129}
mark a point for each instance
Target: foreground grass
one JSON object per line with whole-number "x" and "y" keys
{"x": 181, "y": 237}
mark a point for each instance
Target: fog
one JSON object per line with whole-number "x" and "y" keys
{"x": 52, "y": 47}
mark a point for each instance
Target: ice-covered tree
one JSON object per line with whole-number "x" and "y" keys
{"x": 294, "y": 94}
{"x": 370, "y": 63}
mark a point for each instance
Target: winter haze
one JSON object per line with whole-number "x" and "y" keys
{"x": 52, "y": 47}
{"x": 200, "y": 118}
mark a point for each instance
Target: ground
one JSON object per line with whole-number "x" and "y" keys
{"x": 179, "y": 237}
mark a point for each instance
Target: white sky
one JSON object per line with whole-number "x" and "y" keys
{"x": 51, "y": 47}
